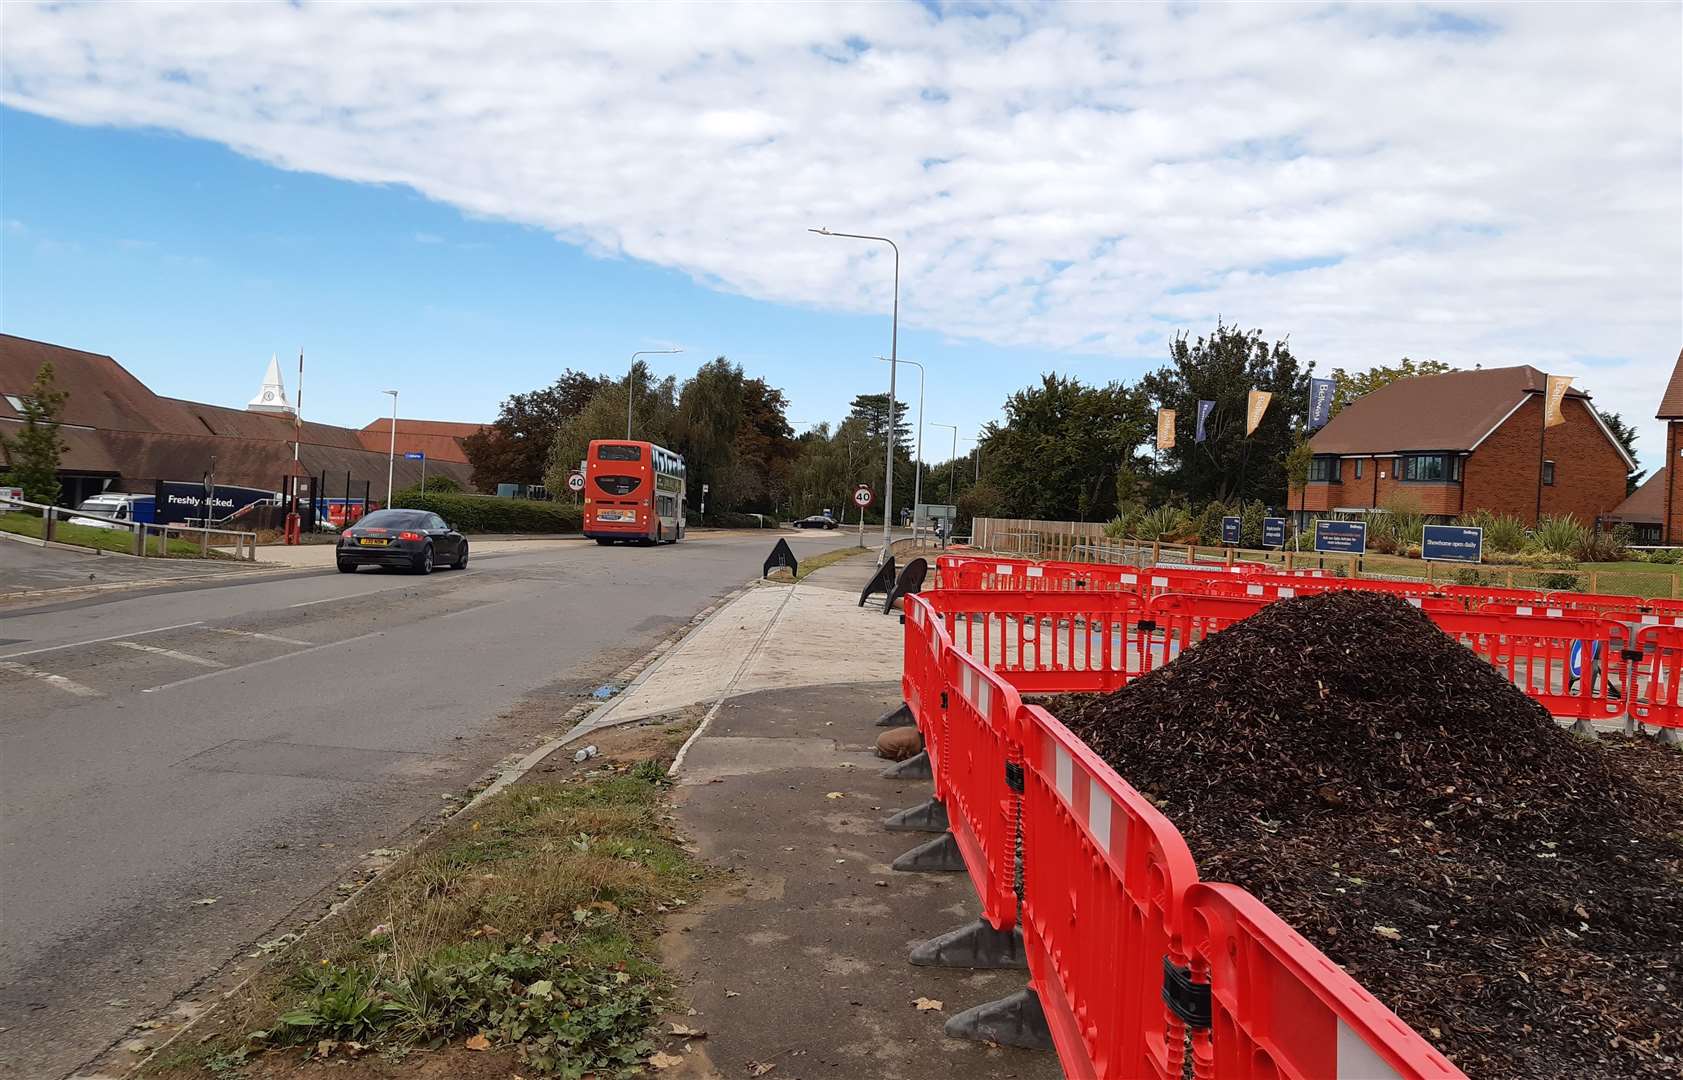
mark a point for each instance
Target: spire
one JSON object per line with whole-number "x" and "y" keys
{"x": 272, "y": 397}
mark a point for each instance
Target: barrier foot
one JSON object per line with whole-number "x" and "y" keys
{"x": 915, "y": 767}
{"x": 900, "y": 717}
{"x": 1017, "y": 1021}
{"x": 1669, "y": 736}
{"x": 925, "y": 817}
{"x": 1584, "y": 728}
{"x": 977, "y": 945}
{"x": 940, "y": 855}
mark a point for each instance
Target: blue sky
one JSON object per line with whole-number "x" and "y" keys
{"x": 191, "y": 264}
{"x": 462, "y": 200}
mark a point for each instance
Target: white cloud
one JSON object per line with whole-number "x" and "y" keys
{"x": 1477, "y": 184}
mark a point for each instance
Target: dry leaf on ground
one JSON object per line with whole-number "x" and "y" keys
{"x": 478, "y": 1042}
{"x": 927, "y": 1004}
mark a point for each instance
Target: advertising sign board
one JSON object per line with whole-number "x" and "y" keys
{"x": 1230, "y": 530}
{"x": 180, "y": 502}
{"x": 1452, "y": 543}
{"x": 1341, "y": 537}
{"x": 1273, "y": 532}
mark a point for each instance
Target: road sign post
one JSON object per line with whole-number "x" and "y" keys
{"x": 862, "y": 498}
{"x": 417, "y": 455}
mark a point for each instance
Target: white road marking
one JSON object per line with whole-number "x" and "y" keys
{"x": 259, "y": 663}
{"x": 98, "y": 641}
{"x": 186, "y": 658}
{"x": 260, "y": 637}
{"x": 477, "y": 607}
{"x": 330, "y": 599}
{"x": 56, "y": 681}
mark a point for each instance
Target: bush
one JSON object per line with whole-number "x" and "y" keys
{"x": 489, "y": 514}
{"x": 1250, "y": 524}
{"x": 1600, "y": 546}
{"x": 1466, "y": 575}
{"x": 1558, "y": 582}
{"x": 1166, "y": 523}
{"x": 1559, "y": 535}
{"x": 1399, "y": 527}
{"x": 1209, "y": 522}
{"x": 1665, "y": 556}
{"x": 1502, "y": 532}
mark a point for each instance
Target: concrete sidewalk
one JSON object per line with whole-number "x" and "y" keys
{"x": 800, "y": 960}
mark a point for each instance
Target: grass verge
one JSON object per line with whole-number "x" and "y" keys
{"x": 117, "y": 540}
{"x": 828, "y": 558}
{"x": 527, "y": 925}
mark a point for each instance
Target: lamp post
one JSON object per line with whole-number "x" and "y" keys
{"x": 917, "y": 476}
{"x": 893, "y": 368}
{"x": 952, "y": 465}
{"x": 631, "y": 373}
{"x": 391, "y": 454}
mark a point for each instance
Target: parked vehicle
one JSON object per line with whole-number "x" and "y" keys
{"x": 413, "y": 540}
{"x": 816, "y": 521}
{"x": 633, "y": 491}
{"x": 118, "y": 505}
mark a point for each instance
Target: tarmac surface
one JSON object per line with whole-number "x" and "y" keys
{"x": 186, "y": 773}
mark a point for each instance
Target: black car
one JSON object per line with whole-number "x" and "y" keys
{"x": 413, "y": 540}
{"x": 816, "y": 521}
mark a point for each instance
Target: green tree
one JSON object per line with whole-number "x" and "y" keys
{"x": 1228, "y": 467}
{"x": 1298, "y": 459}
{"x": 515, "y": 449}
{"x": 1348, "y": 387}
{"x": 1626, "y": 435}
{"x": 1062, "y": 448}
{"x": 32, "y": 458}
{"x": 655, "y": 406}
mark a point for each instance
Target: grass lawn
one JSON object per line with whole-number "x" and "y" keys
{"x": 828, "y": 558}
{"x": 119, "y": 540}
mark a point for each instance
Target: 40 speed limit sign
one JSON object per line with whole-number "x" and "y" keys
{"x": 862, "y": 496}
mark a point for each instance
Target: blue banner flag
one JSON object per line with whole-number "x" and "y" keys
{"x": 1205, "y": 408}
{"x": 1320, "y": 402}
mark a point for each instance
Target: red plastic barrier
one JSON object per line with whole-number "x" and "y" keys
{"x": 1656, "y": 693}
{"x": 1628, "y": 609}
{"x": 1280, "y": 1010}
{"x": 1045, "y": 642}
{"x": 1567, "y": 665}
{"x": 923, "y": 679}
{"x": 1105, "y": 874}
{"x": 1174, "y": 622}
{"x": 980, "y": 740}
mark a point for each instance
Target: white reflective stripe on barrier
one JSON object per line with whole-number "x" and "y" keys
{"x": 1359, "y": 1061}
{"x": 1002, "y": 568}
{"x": 1286, "y": 592}
{"x": 917, "y": 613}
{"x": 1099, "y": 810}
{"x": 1063, "y": 772}
{"x": 1159, "y": 583}
{"x": 1036, "y": 571}
{"x": 975, "y": 689}
{"x": 1650, "y": 620}
{"x": 1414, "y": 600}
{"x": 1554, "y": 613}
{"x": 1522, "y": 609}
{"x": 1253, "y": 590}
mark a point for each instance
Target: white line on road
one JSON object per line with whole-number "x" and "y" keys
{"x": 98, "y": 640}
{"x": 58, "y": 681}
{"x": 330, "y": 599}
{"x": 260, "y": 637}
{"x": 476, "y": 607}
{"x": 259, "y": 663}
{"x": 186, "y": 658}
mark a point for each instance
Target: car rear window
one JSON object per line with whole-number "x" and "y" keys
{"x": 395, "y": 519}
{"x": 612, "y": 452}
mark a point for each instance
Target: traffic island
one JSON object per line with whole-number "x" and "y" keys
{"x": 804, "y": 959}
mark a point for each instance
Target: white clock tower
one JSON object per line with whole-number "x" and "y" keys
{"x": 272, "y": 397}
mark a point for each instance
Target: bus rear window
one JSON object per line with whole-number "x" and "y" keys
{"x": 619, "y": 453}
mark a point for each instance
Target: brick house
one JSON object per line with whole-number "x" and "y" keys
{"x": 1463, "y": 441}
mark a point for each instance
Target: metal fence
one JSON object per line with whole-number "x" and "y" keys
{"x": 144, "y": 538}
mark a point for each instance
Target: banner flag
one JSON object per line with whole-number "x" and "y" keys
{"x": 1320, "y": 402}
{"x": 1552, "y": 416}
{"x": 1165, "y": 429}
{"x": 1253, "y": 413}
{"x": 1205, "y": 408}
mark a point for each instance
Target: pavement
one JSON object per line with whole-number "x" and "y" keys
{"x": 800, "y": 960}
{"x": 30, "y": 573}
{"x": 189, "y": 771}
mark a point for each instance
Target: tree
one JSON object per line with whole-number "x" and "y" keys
{"x": 1626, "y": 435}
{"x": 603, "y": 417}
{"x": 1348, "y": 387}
{"x": 1062, "y": 448}
{"x": 1225, "y": 367}
{"x": 515, "y": 449}
{"x": 872, "y": 411}
{"x": 32, "y": 458}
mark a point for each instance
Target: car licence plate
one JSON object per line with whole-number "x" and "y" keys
{"x": 366, "y": 542}
{"x": 617, "y": 515}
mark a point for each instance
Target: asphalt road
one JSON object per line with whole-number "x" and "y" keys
{"x": 248, "y": 743}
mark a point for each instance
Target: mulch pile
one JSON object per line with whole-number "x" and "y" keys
{"x": 1512, "y": 891}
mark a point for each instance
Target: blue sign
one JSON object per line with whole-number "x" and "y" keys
{"x": 1230, "y": 530}
{"x": 1452, "y": 543}
{"x": 1273, "y": 532}
{"x": 1341, "y": 537}
{"x": 1205, "y": 408}
{"x": 414, "y": 455}
{"x": 1576, "y": 660}
{"x": 1320, "y": 402}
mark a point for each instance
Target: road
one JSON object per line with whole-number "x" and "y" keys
{"x": 248, "y": 743}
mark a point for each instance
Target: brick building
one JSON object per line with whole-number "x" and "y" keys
{"x": 1671, "y": 411}
{"x": 1467, "y": 440}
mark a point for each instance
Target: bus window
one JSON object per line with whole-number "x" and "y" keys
{"x": 610, "y": 452}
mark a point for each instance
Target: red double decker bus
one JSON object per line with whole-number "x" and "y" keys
{"x": 633, "y": 491}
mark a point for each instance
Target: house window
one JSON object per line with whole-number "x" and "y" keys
{"x": 15, "y": 402}
{"x": 1548, "y": 472}
{"x": 1323, "y": 469}
{"x": 1359, "y": 464}
{"x": 1429, "y": 468}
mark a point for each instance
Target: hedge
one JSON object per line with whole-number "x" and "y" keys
{"x": 490, "y": 514}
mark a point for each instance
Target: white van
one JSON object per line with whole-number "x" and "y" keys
{"x": 118, "y": 505}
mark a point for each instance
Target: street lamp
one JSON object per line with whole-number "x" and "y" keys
{"x": 952, "y": 465}
{"x": 391, "y": 455}
{"x": 893, "y": 369}
{"x": 917, "y": 481}
{"x": 631, "y": 373}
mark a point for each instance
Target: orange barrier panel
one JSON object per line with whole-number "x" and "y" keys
{"x": 979, "y": 743}
{"x": 923, "y": 679}
{"x": 1174, "y": 622}
{"x": 1043, "y": 642}
{"x": 1105, "y": 874}
{"x": 1656, "y": 691}
{"x": 1280, "y": 1010}
{"x": 1565, "y": 664}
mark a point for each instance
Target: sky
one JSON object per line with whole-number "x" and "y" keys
{"x": 460, "y": 202}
